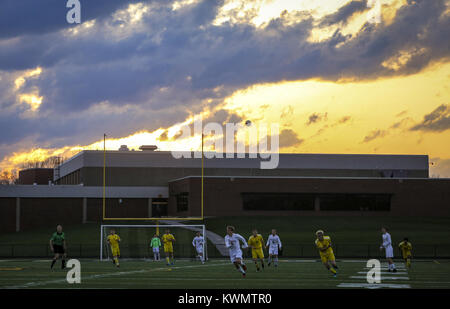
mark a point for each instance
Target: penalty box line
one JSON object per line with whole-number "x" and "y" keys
{"x": 42, "y": 283}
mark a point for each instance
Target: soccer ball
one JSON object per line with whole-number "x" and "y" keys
{"x": 248, "y": 123}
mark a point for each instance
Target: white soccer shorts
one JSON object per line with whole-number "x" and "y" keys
{"x": 273, "y": 250}
{"x": 199, "y": 249}
{"x": 156, "y": 250}
{"x": 389, "y": 252}
{"x": 235, "y": 254}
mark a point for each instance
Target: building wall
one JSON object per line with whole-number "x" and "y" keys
{"x": 160, "y": 176}
{"x": 127, "y": 208}
{"x": 7, "y": 214}
{"x": 223, "y": 196}
{"x": 40, "y": 176}
{"x": 47, "y": 212}
{"x": 38, "y": 212}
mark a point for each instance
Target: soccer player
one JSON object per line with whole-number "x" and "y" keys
{"x": 155, "y": 243}
{"x": 58, "y": 246}
{"x": 197, "y": 242}
{"x": 232, "y": 242}
{"x": 256, "y": 242}
{"x": 273, "y": 242}
{"x": 113, "y": 240}
{"x": 168, "y": 240}
{"x": 387, "y": 246}
{"x": 323, "y": 243}
{"x": 406, "y": 247}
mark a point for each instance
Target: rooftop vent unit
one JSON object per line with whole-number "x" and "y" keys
{"x": 148, "y": 147}
{"x": 124, "y": 148}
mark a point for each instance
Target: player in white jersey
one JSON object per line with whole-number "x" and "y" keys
{"x": 198, "y": 242}
{"x": 387, "y": 246}
{"x": 273, "y": 243}
{"x": 232, "y": 242}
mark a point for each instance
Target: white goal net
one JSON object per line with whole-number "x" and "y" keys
{"x": 135, "y": 240}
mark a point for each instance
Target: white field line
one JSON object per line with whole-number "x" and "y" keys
{"x": 374, "y": 285}
{"x": 382, "y": 278}
{"x": 385, "y": 273}
{"x": 41, "y": 283}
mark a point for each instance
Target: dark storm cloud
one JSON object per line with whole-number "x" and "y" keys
{"x": 178, "y": 59}
{"x": 289, "y": 138}
{"x": 36, "y": 17}
{"x": 344, "y": 13}
{"x": 374, "y": 135}
{"x": 438, "y": 120}
{"x": 316, "y": 117}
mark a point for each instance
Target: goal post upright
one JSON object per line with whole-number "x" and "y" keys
{"x": 101, "y": 242}
{"x": 201, "y": 206}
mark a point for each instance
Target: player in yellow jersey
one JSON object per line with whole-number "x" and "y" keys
{"x": 406, "y": 248}
{"x": 323, "y": 243}
{"x": 113, "y": 240}
{"x": 256, "y": 242}
{"x": 168, "y": 240}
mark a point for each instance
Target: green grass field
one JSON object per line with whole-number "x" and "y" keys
{"x": 427, "y": 230}
{"x": 296, "y": 274}
{"x": 352, "y": 236}
{"x": 293, "y": 272}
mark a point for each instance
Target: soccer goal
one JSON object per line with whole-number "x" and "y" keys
{"x": 135, "y": 240}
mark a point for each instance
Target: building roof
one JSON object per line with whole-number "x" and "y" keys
{"x": 92, "y": 158}
{"x": 74, "y": 191}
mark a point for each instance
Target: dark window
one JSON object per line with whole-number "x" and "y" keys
{"x": 355, "y": 202}
{"x": 159, "y": 207}
{"x": 277, "y": 201}
{"x": 182, "y": 201}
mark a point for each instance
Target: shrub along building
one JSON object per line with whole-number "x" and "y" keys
{"x": 150, "y": 183}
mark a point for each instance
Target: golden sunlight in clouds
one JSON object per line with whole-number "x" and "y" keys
{"x": 370, "y": 105}
{"x": 354, "y": 24}
{"x": 32, "y": 100}
{"x": 27, "y": 74}
{"x": 260, "y": 12}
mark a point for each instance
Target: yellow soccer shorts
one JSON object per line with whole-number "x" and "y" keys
{"x": 168, "y": 248}
{"x": 115, "y": 251}
{"x": 327, "y": 256}
{"x": 257, "y": 253}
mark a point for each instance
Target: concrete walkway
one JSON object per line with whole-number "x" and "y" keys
{"x": 217, "y": 240}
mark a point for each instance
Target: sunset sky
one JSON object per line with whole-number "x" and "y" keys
{"x": 334, "y": 81}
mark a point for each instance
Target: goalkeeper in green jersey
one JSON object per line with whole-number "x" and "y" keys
{"x": 155, "y": 243}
